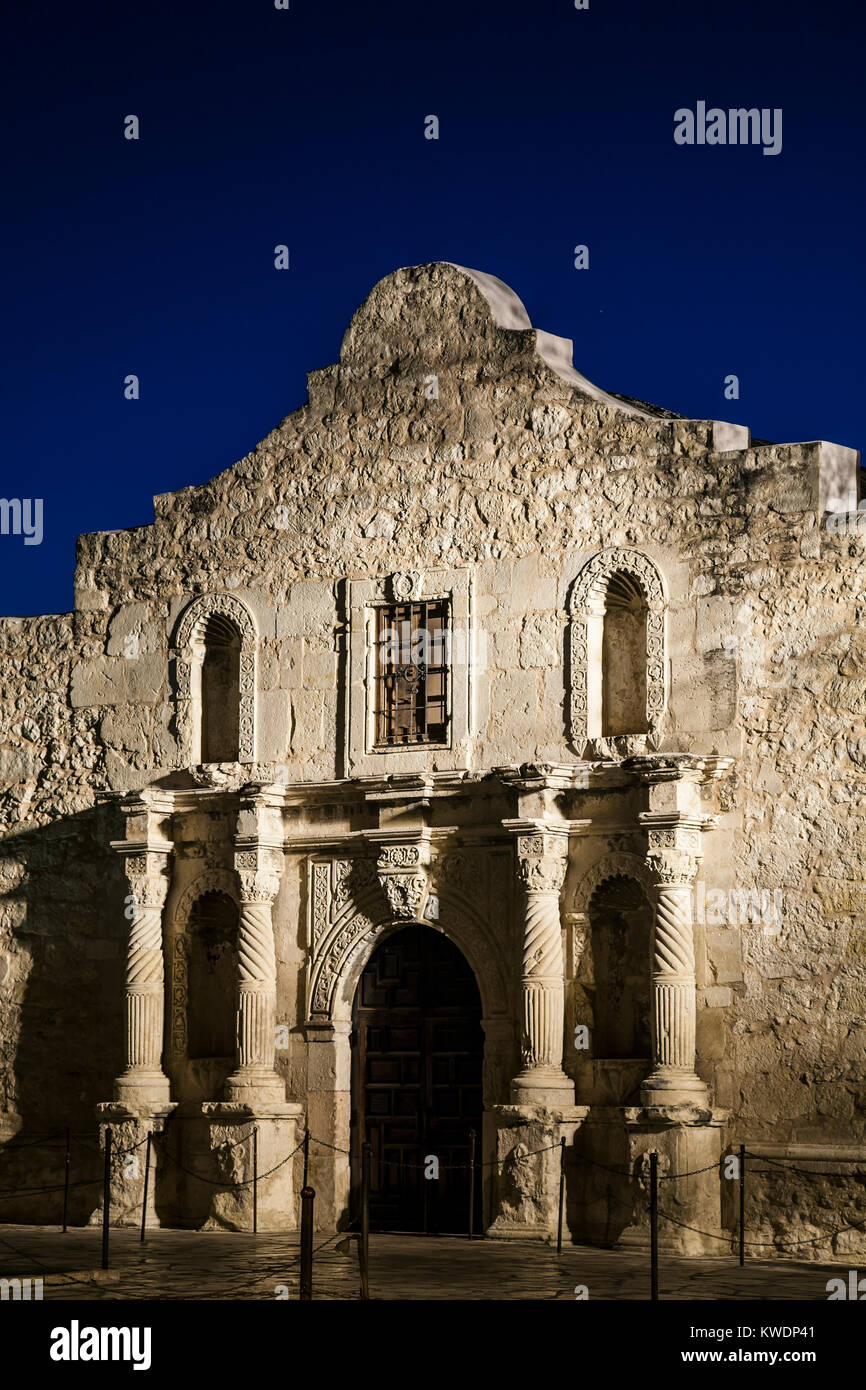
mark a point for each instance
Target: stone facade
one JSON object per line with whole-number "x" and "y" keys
{"x": 655, "y": 736}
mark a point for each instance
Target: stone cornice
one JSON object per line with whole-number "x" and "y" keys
{"x": 651, "y": 769}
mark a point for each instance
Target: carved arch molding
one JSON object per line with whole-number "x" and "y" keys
{"x": 350, "y": 912}
{"x": 189, "y": 636}
{"x": 586, "y": 609}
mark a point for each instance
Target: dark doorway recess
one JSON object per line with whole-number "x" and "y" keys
{"x": 417, "y": 1057}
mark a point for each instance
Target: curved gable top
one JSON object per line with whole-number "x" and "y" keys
{"x": 441, "y": 310}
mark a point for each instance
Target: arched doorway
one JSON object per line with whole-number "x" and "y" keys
{"x": 417, "y": 1055}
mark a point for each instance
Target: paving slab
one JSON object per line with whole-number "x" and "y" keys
{"x": 191, "y": 1265}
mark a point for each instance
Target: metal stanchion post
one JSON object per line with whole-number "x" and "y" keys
{"x": 306, "y": 1158}
{"x": 146, "y": 1182}
{"x": 561, "y": 1194}
{"x": 255, "y": 1179}
{"x": 66, "y": 1180}
{"x": 308, "y": 1197}
{"x": 742, "y": 1204}
{"x": 471, "y": 1183}
{"x": 364, "y": 1242}
{"x": 106, "y": 1198}
{"x": 654, "y": 1226}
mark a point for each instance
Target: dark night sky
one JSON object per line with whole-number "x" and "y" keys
{"x": 305, "y": 127}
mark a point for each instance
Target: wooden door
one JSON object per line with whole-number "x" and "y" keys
{"x": 418, "y": 1050}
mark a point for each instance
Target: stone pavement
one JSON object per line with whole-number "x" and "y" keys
{"x": 226, "y": 1265}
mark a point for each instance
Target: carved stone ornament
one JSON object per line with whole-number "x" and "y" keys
{"x": 400, "y": 869}
{"x": 406, "y": 585}
{"x": 542, "y": 861}
{"x": 673, "y": 868}
{"x": 258, "y": 887}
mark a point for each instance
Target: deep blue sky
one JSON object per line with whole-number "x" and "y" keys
{"x": 305, "y": 127}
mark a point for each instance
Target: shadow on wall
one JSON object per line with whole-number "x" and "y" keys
{"x": 63, "y": 943}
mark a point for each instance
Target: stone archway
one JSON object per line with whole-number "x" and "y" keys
{"x": 349, "y": 917}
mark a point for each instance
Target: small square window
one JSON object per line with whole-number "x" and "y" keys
{"x": 411, "y": 674}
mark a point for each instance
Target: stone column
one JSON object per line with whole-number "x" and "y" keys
{"x": 143, "y": 1082}
{"x": 673, "y": 1079}
{"x": 542, "y": 860}
{"x": 255, "y": 1078}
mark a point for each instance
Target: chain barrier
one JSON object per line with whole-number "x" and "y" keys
{"x": 58, "y": 1138}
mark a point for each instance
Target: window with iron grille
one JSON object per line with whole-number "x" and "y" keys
{"x": 411, "y": 674}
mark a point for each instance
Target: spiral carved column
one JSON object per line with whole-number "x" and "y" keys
{"x": 143, "y": 1080}
{"x": 542, "y": 860}
{"x": 254, "y": 1077}
{"x": 673, "y": 1079}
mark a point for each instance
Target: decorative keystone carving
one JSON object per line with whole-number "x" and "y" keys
{"x": 405, "y": 891}
{"x": 406, "y": 585}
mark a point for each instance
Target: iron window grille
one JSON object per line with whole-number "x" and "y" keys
{"x": 411, "y": 674}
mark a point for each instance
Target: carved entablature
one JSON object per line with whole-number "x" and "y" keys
{"x": 187, "y": 653}
{"x": 587, "y": 606}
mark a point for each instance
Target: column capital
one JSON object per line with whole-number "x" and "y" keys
{"x": 672, "y": 868}
{"x": 258, "y": 869}
{"x": 147, "y": 868}
{"x": 542, "y": 854}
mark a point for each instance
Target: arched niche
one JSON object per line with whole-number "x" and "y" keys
{"x": 212, "y": 951}
{"x": 215, "y": 649}
{"x": 618, "y": 660}
{"x": 202, "y": 917}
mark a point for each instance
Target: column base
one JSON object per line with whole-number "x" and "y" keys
{"x": 673, "y": 1086}
{"x": 523, "y": 1182}
{"x": 255, "y": 1086}
{"x": 546, "y": 1086}
{"x": 145, "y": 1086}
{"x": 130, "y": 1122}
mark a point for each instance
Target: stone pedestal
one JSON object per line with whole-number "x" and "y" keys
{"x": 524, "y": 1185}
{"x": 209, "y": 1168}
{"x": 130, "y": 1126}
{"x": 686, "y": 1138}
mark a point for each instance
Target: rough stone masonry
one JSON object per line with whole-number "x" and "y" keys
{"x": 637, "y": 812}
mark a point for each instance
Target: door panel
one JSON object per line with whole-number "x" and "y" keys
{"x": 417, "y": 1059}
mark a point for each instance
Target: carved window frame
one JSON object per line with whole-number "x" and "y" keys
{"x": 187, "y": 660}
{"x": 363, "y": 756}
{"x": 586, "y": 610}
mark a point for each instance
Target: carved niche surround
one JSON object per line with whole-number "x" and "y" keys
{"x": 586, "y": 609}
{"x": 187, "y": 653}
